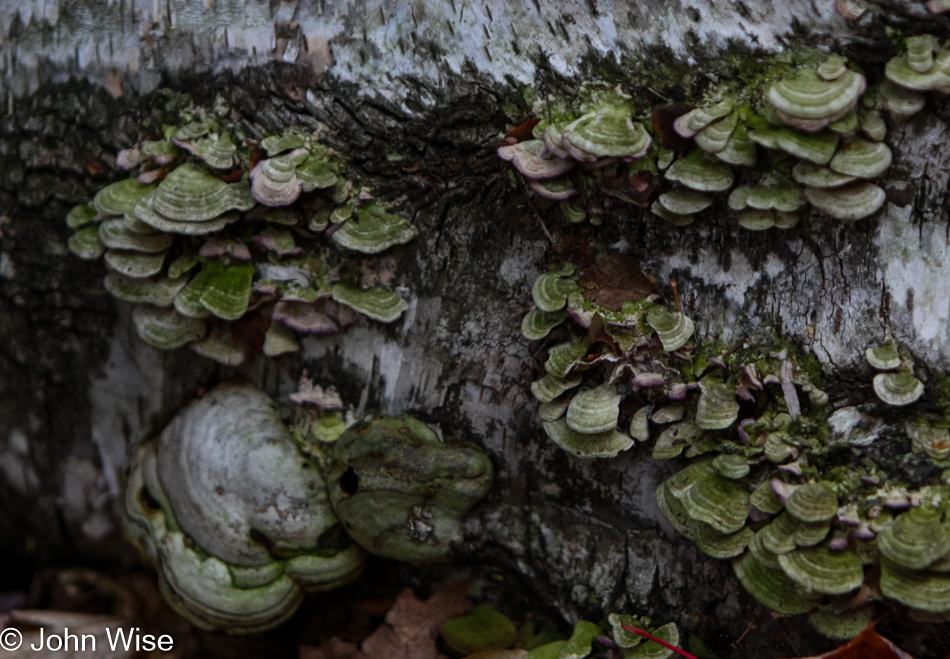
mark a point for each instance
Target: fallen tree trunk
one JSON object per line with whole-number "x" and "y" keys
{"x": 415, "y": 97}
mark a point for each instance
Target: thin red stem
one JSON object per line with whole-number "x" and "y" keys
{"x": 633, "y": 630}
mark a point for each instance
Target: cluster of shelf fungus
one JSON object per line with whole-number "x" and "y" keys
{"x": 795, "y": 492}
{"x": 810, "y": 136}
{"x": 215, "y": 228}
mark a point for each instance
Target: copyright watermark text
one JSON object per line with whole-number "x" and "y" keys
{"x": 118, "y": 638}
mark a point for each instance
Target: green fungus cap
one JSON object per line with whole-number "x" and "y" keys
{"x": 221, "y": 347}
{"x": 217, "y": 153}
{"x": 481, "y": 630}
{"x": 771, "y": 587}
{"x": 764, "y": 498}
{"x": 673, "y": 329}
{"x": 81, "y": 215}
{"x": 192, "y": 130}
{"x": 189, "y": 194}
{"x": 817, "y": 148}
{"x": 820, "y": 570}
{"x": 721, "y": 545}
{"x": 159, "y": 293}
{"x": 572, "y": 212}
{"x": 600, "y": 445}
{"x": 595, "y": 410}
{"x": 675, "y": 219}
{"x": 815, "y": 176}
{"x": 785, "y": 197}
{"x": 739, "y": 149}
{"x": 376, "y": 303}
{"x": 165, "y": 329}
{"x": 756, "y": 220}
{"x": 915, "y": 539}
{"x": 581, "y": 642}
{"x": 833, "y": 67}
{"x": 699, "y": 173}
{"x": 280, "y": 339}
{"x": 862, "y": 159}
{"x": 275, "y": 144}
{"x": 854, "y": 201}
{"x": 900, "y": 72}
{"x": 315, "y": 174}
{"x": 717, "y": 501}
{"x": 563, "y": 357}
{"x": 804, "y": 100}
{"x": 841, "y": 625}
{"x": 717, "y": 407}
{"x": 809, "y": 535}
{"x": 550, "y": 387}
{"x": 375, "y": 231}
{"x": 538, "y": 324}
{"x": 134, "y": 264}
{"x": 674, "y": 439}
{"x": 121, "y": 197}
{"x": 652, "y": 650}
{"x": 884, "y": 357}
{"x": 872, "y": 125}
{"x": 551, "y": 290}
{"x": 683, "y": 201}
{"x": 182, "y": 264}
{"x": 609, "y": 132}
{"x": 928, "y": 591}
{"x": 85, "y": 244}
{"x": 115, "y": 234}
{"x": 146, "y": 213}
{"x": 779, "y": 536}
{"x": 898, "y": 389}
{"x": 733, "y": 467}
{"x": 228, "y": 291}
{"x": 714, "y": 137}
{"x": 188, "y": 300}
{"x": 813, "y": 502}
{"x": 765, "y": 556}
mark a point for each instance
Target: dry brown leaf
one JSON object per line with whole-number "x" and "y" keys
{"x": 866, "y": 645}
{"x": 412, "y": 626}
{"x": 335, "y": 648}
{"x": 615, "y": 279}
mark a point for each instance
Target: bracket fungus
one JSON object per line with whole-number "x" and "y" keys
{"x": 240, "y": 526}
{"x": 401, "y": 491}
{"x": 184, "y": 226}
{"x": 810, "y": 119}
{"x": 236, "y": 528}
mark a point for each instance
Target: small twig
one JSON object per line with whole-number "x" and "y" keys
{"x": 544, "y": 227}
{"x": 633, "y": 630}
{"x": 676, "y": 295}
{"x": 650, "y": 89}
{"x": 747, "y": 630}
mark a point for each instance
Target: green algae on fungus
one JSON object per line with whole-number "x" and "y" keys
{"x": 181, "y": 231}
{"x": 193, "y": 504}
{"x": 801, "y": 110}
{"x": 802, "y": 534}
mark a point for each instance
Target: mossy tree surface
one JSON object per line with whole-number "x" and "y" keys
{"x": 413, "y": 98}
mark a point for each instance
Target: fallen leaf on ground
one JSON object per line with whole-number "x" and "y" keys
{"x": 412, "y": 626}
{"x": 334, "y": 648}
{"x": 410, "y": 630}
{"x": 866, "y": 645}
